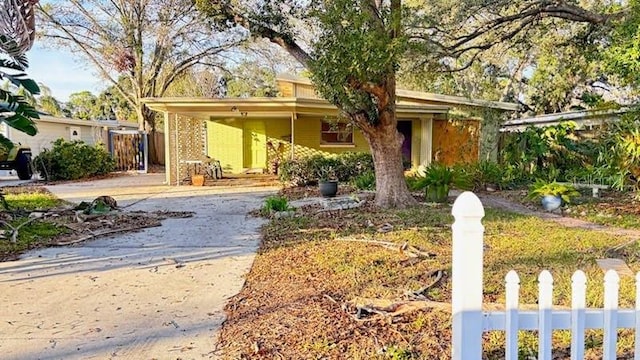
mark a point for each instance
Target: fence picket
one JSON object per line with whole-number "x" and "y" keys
{"x": 512, "y": 283}
{"x": 545, "y": 305}
{"x": 578, "y": 305}
{"x": 636, "y": 354}
{"x": 611, "y": 286}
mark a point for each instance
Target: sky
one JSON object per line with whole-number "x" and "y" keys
{"x": 61, "y": 72}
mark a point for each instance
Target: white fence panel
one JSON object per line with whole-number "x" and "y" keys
{"x": 469, "y": 321}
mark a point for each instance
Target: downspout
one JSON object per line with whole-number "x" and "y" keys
{"x": 167, "y": 148}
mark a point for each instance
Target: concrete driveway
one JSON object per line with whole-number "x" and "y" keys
{"x": 156, "y": 294}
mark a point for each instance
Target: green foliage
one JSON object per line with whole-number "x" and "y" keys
{"x": 548, "y": 152}
{"x": 73, "y": 160}
{"x": 623, "y": 54}
{"x": 484, "y": 173}
{"x": 15, "y": 110}
{"x": 541, "y": 188}
{"x": 355, "y": 48}
{"x": 295, "y": 172}
{"x": 343, "y": 167}
{"x": 275, "y": 204}
{"x": 354, "y": 164}
{"x": 366, "y": 181}
{"x": 438, "y": 174}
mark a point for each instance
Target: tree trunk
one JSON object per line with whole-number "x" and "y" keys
{"x": 391, "y": 187}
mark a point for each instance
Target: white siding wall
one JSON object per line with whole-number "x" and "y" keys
{"x": 49, "y": 132}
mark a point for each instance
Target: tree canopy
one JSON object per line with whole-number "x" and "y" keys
{"x": 139, "y": 46}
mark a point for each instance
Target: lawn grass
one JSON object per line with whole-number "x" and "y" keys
{"x": 296, "y": 301}
{"x": 32, "y": 201}
{"x": 34, "y": 234}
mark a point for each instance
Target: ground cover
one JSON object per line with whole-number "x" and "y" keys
{"x": 611, "y": 208}
{"x": 306, "y": 296}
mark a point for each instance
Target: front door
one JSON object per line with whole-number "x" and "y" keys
{"x": 404, "y": 128}
{"x": 255, "y": 145}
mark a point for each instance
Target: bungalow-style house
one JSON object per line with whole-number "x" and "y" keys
{"x": 51, "y": 128}
{"x": 251, "y": 134}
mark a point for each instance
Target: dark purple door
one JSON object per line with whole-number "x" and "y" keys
{"x": 404, "y": 127}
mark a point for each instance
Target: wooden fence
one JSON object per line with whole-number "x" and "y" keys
{"x": 130, "y": 150}
{"x": 470, "y": 321}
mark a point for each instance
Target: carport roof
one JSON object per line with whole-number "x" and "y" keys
{"x": 266, "y": 107}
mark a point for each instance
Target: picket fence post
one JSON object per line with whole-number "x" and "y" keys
{"x": 466, "y": 277}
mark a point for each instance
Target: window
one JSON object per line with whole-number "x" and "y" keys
{"x": 74, "y": 133}
{"x": 336, "y": 133}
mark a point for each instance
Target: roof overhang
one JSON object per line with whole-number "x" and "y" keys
{"x": 93, "y": 123}
{"x": 581, "y": 118}
{"x": 444, "y": 100}
{"x": 267, "y": 107}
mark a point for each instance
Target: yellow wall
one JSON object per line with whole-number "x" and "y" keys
{"x": 226, "y": 142}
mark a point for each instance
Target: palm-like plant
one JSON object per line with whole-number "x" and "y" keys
{"x": 17, "y": 31}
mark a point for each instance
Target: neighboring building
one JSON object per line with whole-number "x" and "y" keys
{"x": 584, "y": 119}
{"x": 52, "y": 128}
{"x": 247, "y": 134}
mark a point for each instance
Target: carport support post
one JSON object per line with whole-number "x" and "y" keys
{"x": 167, "y": 149}
{"x": 293, "y": 121}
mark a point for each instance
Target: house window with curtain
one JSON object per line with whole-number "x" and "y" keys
{"x": 335, "y": 133}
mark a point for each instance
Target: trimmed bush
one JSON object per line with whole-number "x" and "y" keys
{"x": 71, "y": 160}
{"x": 305, "y": 171}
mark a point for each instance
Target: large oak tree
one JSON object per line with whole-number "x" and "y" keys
{"x": 359, "y": 44}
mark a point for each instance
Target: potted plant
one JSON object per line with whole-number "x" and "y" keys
{"x": 552, "y": 194}
{"x": 327, "y": 181}
{"x": 437, "y": 180}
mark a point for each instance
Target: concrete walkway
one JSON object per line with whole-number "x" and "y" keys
{"x": 156, "y": 294}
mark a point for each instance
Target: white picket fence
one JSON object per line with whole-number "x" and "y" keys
{"x": 470, "y": 321}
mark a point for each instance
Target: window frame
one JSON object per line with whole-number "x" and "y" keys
{"x": 344, "y": 129}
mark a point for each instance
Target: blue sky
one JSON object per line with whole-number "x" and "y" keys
{"x": 61, "y": 72}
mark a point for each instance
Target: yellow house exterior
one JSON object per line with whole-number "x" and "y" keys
{"x": 249, "y": 134}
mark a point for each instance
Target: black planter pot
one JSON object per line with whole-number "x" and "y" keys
{"x": 328, "y": 188}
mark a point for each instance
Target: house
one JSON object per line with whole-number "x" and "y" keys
{"x": 248, "y": 134}
{"x": 52, "y": 128}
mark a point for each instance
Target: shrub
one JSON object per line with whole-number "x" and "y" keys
{"x": 71, "y": 160}
{"x": 354, "y": 164}
{"x": 275, "y": 204}
{"x": 345, "y": 167}
{"x": 542, "y": 188}
{"x": 295, "y": 172}
{"x": 438, "y": 174}
{"x": 366, "y": 181}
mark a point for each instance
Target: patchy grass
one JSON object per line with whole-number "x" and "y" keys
{"x": 34, "y": 234}
{"x": 296, "y": 300}
{"x": 32, "y": 201}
